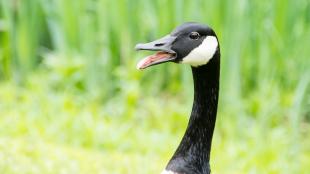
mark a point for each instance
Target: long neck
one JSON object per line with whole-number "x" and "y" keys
{"x": 193, "y": 153}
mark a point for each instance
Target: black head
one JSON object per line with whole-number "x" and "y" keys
{"x": 190, "y": 43}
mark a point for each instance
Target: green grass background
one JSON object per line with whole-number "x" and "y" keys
{"x": 71, "y": 100}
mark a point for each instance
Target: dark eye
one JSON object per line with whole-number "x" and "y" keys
{"x": 194, "y": 35}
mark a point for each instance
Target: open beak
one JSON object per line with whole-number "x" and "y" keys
{"x": 164, "y": 52}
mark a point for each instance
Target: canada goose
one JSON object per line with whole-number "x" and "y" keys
{"x": 197, "y": 45}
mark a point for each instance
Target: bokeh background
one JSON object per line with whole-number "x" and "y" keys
{"x": 71, "y": 100}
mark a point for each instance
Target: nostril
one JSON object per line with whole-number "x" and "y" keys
{"x": 159, "y": 44}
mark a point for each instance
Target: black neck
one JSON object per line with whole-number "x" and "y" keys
{"x": 193, "y": 153}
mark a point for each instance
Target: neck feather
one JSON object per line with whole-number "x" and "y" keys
{"x": 193, "y": 153}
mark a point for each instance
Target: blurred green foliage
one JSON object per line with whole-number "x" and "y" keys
{"x": 71, "y": 100}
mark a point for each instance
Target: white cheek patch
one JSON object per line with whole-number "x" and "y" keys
{"x": 203, "y": 53}
{"x": 168, "y": 172}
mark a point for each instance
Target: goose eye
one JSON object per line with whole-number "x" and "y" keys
{"x": 194, "y": 35}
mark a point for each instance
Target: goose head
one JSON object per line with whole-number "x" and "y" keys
{"x": 190, "y": 43}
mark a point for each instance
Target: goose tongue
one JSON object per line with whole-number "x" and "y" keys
{"x": 164, "y": 54}
{"x": 154, "y": 59}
